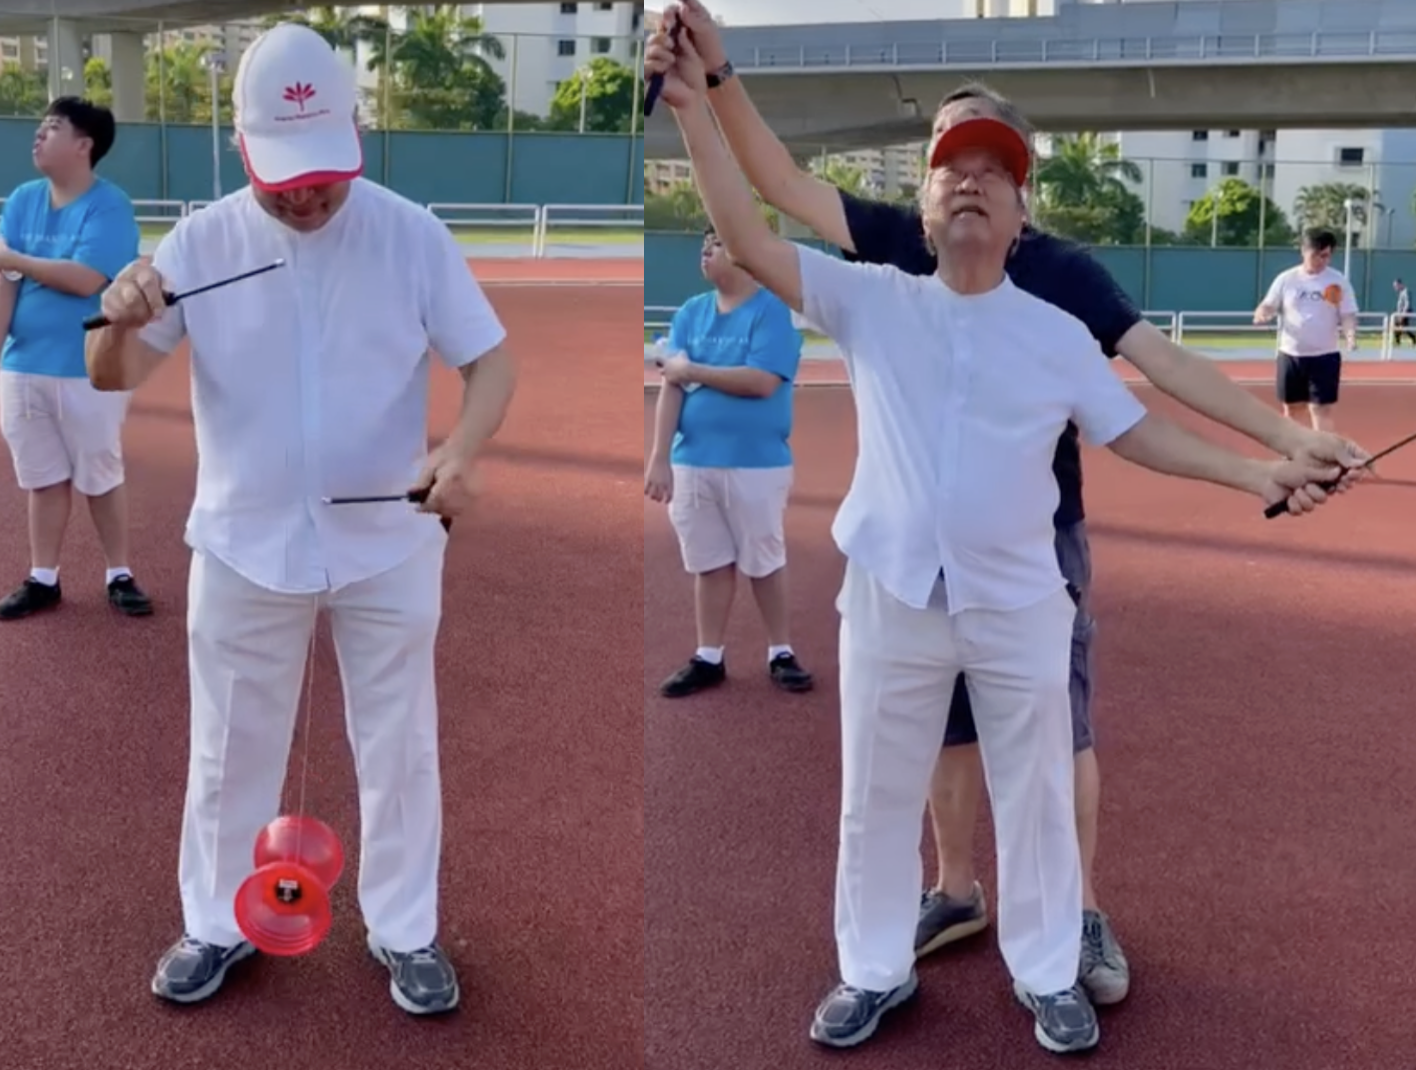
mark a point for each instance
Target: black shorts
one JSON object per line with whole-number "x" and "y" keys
{"x": 1309, "y": 380}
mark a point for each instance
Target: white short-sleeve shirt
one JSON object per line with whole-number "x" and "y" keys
{"x": 960, "y": 403}
{"x": 312, "y": 380}
{"x": 1310, "y": 310}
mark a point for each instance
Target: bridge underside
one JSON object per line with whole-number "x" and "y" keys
{"x": 841, "y": 111}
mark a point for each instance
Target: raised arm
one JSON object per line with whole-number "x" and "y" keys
{"x": 746, "y": 236}
{"x": 768, "y": 165}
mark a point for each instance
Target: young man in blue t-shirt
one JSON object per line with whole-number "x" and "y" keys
{"x": 1064, "y": 275}
{"x": 723, "y": 463}
{"x": 66, "y": 235}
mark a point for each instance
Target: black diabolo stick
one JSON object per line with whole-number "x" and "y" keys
{"x": 170, "y": 299}
{"x": 415, "y": 496}
{"x": 656, "y": 81}
{"x": 1280, "y": 508}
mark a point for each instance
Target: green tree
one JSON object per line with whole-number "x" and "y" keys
{"x": 1230, "y": 215}
{"x": 842, "y": 176}
{"x": 1325, "y": 205}
{"x": 23, "y": 93}
{"x": 1084, "y": 192}
{"x": 98, "y": 81}
{"x": 679, "y": 208}
{"x": 439, "y": 70}
{"x": 598, "y": 98}
{"x": 179, "y": 84}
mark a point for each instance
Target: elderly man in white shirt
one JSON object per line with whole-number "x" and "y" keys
{"x": 311, "y": 382}
{"x": 963, "y": 386}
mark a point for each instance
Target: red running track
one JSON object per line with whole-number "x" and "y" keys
{"x": 542, "y": 761}
{"x": 1256, "y": 734}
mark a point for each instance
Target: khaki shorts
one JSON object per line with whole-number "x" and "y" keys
{"x": 63, "y": 430}
{"x": 731, "y": 516}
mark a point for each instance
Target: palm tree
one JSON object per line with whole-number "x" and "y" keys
{"x": 1082, "y": 168}
{"x": 439, "y": 68}
{"x": 1325, "y": 205}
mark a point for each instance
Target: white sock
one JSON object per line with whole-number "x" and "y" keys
{"x": 47, "y": 576}
{"x": 713, "y": 655}
{"x": 774, "y": 652}
{"x": 117, "y": 573}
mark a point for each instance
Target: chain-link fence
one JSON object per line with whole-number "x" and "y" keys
{"x": 456, "y": 110}
{"x": 419, "y": 68}
{"x": 1084, "y": 188}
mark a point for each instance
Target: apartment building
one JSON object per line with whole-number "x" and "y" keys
{"x": 1181, "y": 167}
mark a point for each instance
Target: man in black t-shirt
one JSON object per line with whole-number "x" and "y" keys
{"x": 1064, "y": 275}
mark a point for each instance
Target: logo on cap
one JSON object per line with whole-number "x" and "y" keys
{"x": 299, "y": 93}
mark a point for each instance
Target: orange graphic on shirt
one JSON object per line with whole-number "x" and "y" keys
{"x": 1332, "y": 294}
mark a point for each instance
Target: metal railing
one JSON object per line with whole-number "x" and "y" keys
{"x": 1238, "y": 48}
{"x": 537, "y": 220}
{"x": 1214, "y": 333}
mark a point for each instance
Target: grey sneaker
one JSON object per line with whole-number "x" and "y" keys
{"x": 1065, "y": 1022}
{"x": 943, "y": 919}
{"x": 191, "y": 971}
{"x": 1105, "y": 973}
{"x": 422, "y": 981}
{"x": 848, "y": 1016}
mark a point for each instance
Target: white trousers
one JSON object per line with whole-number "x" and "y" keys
{"x": 247, "y": 650}
{"x": 898, "y": 667}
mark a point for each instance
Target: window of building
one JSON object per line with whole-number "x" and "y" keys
{"x": 604, "y": 7}
{"x": 1232, "y": 133}
{"x": 1351, "y": 157}
{"x": 600, "y": 45}
{"x": 565, "y": 47}
{"x": 1199, "y": 170}
{"x": 1231, "y": 167}
{"x": 568, "y": 9}
{"x": 1199, "y": 135}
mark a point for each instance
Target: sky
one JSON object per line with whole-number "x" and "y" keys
{"x": 784, "y": 12}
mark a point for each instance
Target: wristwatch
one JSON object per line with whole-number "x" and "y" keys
{"x": 721, "y": 75}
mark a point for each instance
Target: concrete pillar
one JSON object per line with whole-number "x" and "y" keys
{"x": 996, "y": 9}
{"x": 66, "y": 59}
{"x": 129, "y": 68}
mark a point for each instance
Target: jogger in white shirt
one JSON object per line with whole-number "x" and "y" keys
{"x": 963, "y": 386}
{"x": 1311, "y": 302}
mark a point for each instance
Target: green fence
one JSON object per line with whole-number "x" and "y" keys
{"x": 1160, "y": 279}
{"x": 153, "y": 162}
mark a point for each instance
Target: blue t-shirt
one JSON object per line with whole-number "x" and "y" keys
{"x": 99, "y": 230}
{"x": 1057, "y": 271}
{"x": 718, "y": 430}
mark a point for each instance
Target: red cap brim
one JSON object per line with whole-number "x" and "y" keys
{"x": 985, "y": 135}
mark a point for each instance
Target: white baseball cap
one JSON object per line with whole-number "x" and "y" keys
{"x": 295, "y": 106}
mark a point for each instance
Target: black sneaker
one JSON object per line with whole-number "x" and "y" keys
{"x": 943, "y": 919}
{"x": 28, "y": 598}
{"x": 698, "y": 675}
{"x": 849, "y": 1015}
{"x": 191, "y": 971}
{"x": 787, "y": 674}
{"x": 1065, "y": 1022}
{"x": 420, "y": 982}
{"x": 127, "y": 597}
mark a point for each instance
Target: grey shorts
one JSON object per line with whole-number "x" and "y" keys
{"x": 1074, "y": 556}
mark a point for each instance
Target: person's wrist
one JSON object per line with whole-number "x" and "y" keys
{"x": 1258, "y": 476}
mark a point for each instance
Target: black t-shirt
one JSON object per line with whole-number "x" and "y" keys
{"x": 1055, "y": 270}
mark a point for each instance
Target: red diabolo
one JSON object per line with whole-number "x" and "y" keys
{"x": 283, "y": 907}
